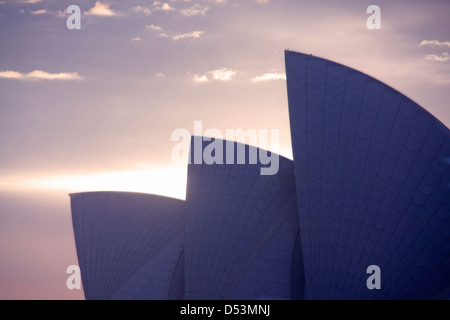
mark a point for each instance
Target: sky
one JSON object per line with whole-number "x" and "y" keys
{"x": 94, "y": 109}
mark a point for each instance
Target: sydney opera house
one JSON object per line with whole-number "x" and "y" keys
{"x": 369, "y": 185}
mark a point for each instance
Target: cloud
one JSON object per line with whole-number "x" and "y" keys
{"x": 200, "y": 78}
{"x": 166, "y": 7}
{"x": 442, "y": 58}
{"x": 10, "y": 75}
{"x": 190, "y": 35}
{"x": 269, "y": 77}
{"x": 23, "y": 1}
{"x": 39, "y": 75}
{"x": 153, "y": 27}
{"x": 142, "y": 9}
{"x": 101, "y": 9}
{"x": 135, "y": 39}
{"x": 160, "y": 75}
{"x": 38, "y": 12}
{"x": 159, "y": 31}
{"x": 158, "y": 5}
{"x": 61, "y": 13}
{"x": 434, "y": 43}
{"x": 195, "y": 10}
{"x": 223, "y": 74}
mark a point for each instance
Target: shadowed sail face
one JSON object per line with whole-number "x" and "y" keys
{"x": 372, "y": 176}
{"x": 242, "y": 239}
{"x": 129, "y": 245}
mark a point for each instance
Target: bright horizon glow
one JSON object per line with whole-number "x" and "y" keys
{"x": 168, "y": 181}
{"x": 164, "y": 181}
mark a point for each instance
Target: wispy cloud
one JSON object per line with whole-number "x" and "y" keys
{"x": 167, "y": 34}
{"x": 142, "y": 9}
{"x": 153, "y": 27}
{"x": 269, "y": 77}
{"x": 163, "y": 6}
{"x": 167, "y": 7}
{"x": 101, "y": 9}
{"x": 197, "y": 9}
{"x": 442, "y": 58}
{"x": 223, "y": 74}
{"x": 190, "y": 35}
{"x": 136, "y": 39}
{"x": 39, "y": 75}
{"x": 39, "y": 12}
{"x": 10, "y": 74}
{"x": 434, "y": 43}
{"x": 23, "y": 1}
{"x": 200, "y": 78}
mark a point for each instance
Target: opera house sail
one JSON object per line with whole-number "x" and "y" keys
{"x": 241, "y": 233}
{"x": 372, "y": 177}
{"x": 235, "y": 237}
{"x": 368, "y": 186}
{"x": 129, "y": 245}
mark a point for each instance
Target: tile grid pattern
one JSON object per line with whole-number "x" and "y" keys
{"x": 235, "y": 245}
{"x": 372, "y": 177}
{"x": 121, "y": 235}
